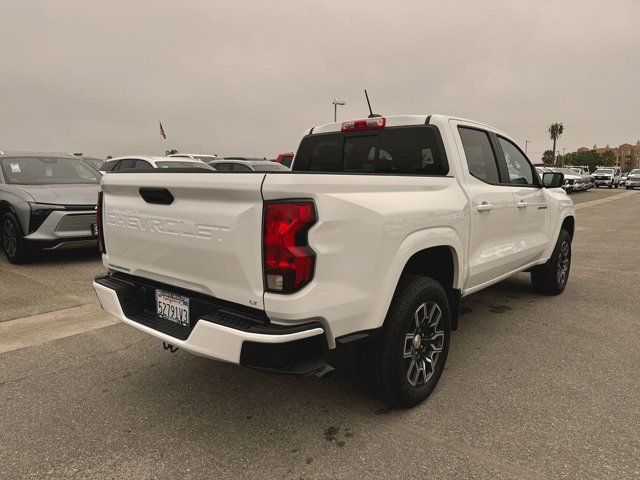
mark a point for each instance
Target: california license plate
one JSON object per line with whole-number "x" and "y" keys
{"x": 172, "y": 307}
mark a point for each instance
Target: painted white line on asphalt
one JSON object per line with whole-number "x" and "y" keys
{"x": 43, "y": 328}
{"x": 604, "y": 200}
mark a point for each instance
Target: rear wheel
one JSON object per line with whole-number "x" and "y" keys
{"x": 552, "y": 277}
{"x": 12, "y": 240}
{"x": 404, "y": 365}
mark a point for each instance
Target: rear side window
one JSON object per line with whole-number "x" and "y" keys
{"x": 480, "y": 157}
{"x": 400, "y": 150}
{"x": 126, "y": 164}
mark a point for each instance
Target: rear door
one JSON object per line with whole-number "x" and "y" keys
{"x": 198, "y": 231}
{"x": 491, "y": 249}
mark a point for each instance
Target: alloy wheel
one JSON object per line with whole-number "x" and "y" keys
{"x": 563, "y": 262}
{"x": 9, "y": 238}
{"x": 423, "y": 343}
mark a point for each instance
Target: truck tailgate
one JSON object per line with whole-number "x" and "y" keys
{"x": 208, "y": 239}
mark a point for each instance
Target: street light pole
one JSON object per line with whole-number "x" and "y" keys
{"x": 526, "y": 144}
{"x": 335, "y": 108}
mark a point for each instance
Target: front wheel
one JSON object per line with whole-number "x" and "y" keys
{"x": 12, "y": 241}
{"x": 404, "y": 365}
{"x": 551, "y": 278}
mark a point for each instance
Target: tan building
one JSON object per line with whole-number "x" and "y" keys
{"x": 627, "y": 155}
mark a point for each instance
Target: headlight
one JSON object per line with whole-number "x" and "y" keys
{"x": 39, "y": 213}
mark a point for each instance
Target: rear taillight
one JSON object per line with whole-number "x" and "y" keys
{"x": 288, "y": 260}
{"x": 364, "y": 124}
{"x": 99, "y": 224}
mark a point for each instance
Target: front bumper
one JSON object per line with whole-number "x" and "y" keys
{"x": 604, "y": 182}
{"x": 218, "y": 329}
{"x": 64, "y": 229}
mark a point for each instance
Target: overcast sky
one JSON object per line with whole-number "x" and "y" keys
{"x": 244, "y": 78}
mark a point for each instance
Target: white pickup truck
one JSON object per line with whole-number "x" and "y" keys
{"x": 368, "y": 244}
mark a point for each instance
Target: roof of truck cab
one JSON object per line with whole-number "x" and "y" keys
{"x": 404, "y": 120}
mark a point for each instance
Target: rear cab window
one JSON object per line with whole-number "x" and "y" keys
{"x": 411, "y": 150}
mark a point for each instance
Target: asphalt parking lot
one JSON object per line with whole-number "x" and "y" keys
{"x": 534, "y": 387}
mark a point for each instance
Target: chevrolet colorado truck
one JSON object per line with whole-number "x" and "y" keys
{"x": 367, "y": 245}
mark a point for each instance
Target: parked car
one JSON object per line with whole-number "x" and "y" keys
{"x": 580, "y": 182}
{"x": 148, "y": 163}
{"x": 568, "y": 182}
{"x": 369, "y": 244}
{"x": 587, "y": 178}
{"x": 230, "y": 165}
{"x": 623, "y": 179}
{"x": 286, "y": 159}
{"x": 633, "y": 179}
{"x": 196, "y": 156}
{"x": 93, "y": 162}
{"x": 47, "y": 202}
{"x": 606, "y": 177}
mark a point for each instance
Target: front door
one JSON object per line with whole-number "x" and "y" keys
{"x": 532, "y": 218}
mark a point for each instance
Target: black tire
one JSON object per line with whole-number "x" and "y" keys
{"x": 390, "y": 361}
{"x": 611, "y": 185}
{"x": 12, "y": 239}
{"x": 548, "y": 278}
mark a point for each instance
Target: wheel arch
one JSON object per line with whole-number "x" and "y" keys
{"x": 569, "y": 224}
{"x": 435, "y": 253}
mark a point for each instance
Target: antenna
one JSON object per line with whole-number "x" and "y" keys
{"x": 371, "y": 114}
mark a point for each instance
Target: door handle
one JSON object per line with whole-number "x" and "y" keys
{"x": 522, "y": 204}
{"x": 484, "y": 207}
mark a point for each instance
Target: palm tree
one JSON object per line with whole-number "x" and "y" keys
{"x": 555, "y": 131}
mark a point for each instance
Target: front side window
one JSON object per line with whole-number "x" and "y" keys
{"x": 47, "y": 171}
{"x": 519, "y": 169}
{"x": 480, "y": 157}
{"x": 400, "y": 150}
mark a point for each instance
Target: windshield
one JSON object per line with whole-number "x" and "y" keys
{"x": 94, "y": 162}
{"x": 47, "y": 171}
{"x": 179, "y": 164}
{"x": 606, "y": 171}
{"x": 206, "y": 158}
{"x": 635, "y": 172}
{"x": 264, "y": 167}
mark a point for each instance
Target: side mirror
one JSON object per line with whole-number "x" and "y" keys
{"x": 553, "y": 179}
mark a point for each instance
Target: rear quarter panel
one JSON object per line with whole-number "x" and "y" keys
{"x": 368, "y": 227}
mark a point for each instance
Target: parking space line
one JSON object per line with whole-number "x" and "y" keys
{"x": 38, "y": 329}
{"x": 592, "y": 203}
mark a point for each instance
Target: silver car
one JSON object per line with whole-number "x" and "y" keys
{"x": 47, "y": 202}
{"x": 242, "y": 164}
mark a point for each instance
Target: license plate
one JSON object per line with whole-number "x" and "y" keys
{"x": 94, "y": 229}
{"x": 172, "y": 307}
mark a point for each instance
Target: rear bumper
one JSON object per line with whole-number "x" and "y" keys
{"x": 219, "y": 330}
